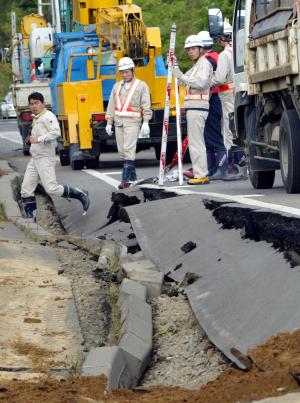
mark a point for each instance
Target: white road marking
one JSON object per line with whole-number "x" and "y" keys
{"x": 14, "y": 137}
{"x": 242, "y": 199}
{"x": 104, "y": 177}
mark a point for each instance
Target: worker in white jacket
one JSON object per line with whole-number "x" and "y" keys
{"x": 223, "y": 78}
{"x": 44, "y": 132}
{"x": 129, "y": 109}
{"x": 197, "y": 81}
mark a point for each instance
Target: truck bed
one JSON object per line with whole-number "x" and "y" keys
{"x": 22, "y": 91}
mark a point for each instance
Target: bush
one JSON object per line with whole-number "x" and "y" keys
{"x": 5, "y": 79}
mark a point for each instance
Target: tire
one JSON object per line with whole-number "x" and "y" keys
{"x": 289, "y": 151}
{"x": 64, "y": 158}
{"x": 26, "y": 152}
{"x": 262, "y": 179}
{"x": 92, "y": 164}
{"x": 76, "y": 165}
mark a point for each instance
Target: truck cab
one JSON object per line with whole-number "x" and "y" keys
{"x": 267, "y": 107}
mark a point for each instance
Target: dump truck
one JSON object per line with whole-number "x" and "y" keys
{"x": 266, "y": 38}
{"x": 84, "y": 72}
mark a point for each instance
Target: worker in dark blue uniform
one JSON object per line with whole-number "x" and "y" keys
{"x": 217, "y": 157}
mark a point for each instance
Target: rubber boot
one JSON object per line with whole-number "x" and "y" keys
{"x": 239, "y": 157}
{"x": 133, "y": 177}
{"x": 125, "y": 174}
{"x": 211, "y": 162}
{"x": 221, "y": 164}
{"x": 198, "y": 181}
{"x": 76, "y": 193}
{"x": 239, "y": 167}
{"x": 29, "y": 204}
{"x": 230, "y": 160}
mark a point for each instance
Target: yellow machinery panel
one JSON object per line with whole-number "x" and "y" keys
{"x": 84, "y": 123}
{"x": 84, "y": 12}
{"x": 154, "y": 39}
{"x": 28, "y": 20}
{"x": 26, "y": 25}
{"x": 78, "y": 101}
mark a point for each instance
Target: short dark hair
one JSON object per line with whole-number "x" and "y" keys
{"x": 37, "y": 96}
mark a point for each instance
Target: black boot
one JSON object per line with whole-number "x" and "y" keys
{"x": 128, "y": 174}
{"x": 239, "y": 166}
{"x": 132, "y": 171}
{"x": 221, "y": 164}
{"x": 76, "y": 193}
{"x": 211, "y": 162}
{"x": 29, "y": 204}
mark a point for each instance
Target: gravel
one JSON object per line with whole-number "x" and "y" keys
{"x": 182, "y": 354}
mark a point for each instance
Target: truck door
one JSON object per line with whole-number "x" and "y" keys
{"x": 239, "y": 39}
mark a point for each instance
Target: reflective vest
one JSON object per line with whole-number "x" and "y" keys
{"x": 191, "y": 96}
{"x": 229, "y": 86}
{"x": 125, "y": 109}
{"x": 212, "y": 57}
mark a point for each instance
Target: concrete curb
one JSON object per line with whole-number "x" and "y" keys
{"x": 110, "y": 362}
{"x": 135, "y": 342}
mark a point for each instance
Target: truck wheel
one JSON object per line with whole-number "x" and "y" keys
{"x": 289, "y": 151}
{"x": 76, "y": 165}
{"x": 64, "y": 158}
{"x": 92, "y": 164}
{"x": 262, "y": 179}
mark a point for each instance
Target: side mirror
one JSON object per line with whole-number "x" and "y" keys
{"x": 215, "y": 22}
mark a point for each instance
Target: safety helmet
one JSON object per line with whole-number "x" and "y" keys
{"x": 205, "y": 39}
{"x": 125, "y": 63}
{"x": 192, "y": 40}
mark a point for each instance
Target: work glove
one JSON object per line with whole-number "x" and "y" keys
{"x": 108, "y": 129}
{"x": 145, "y": 131}
{"x": 176, "y": 72}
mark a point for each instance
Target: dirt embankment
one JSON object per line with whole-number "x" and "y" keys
{"x": 275, "y": 372}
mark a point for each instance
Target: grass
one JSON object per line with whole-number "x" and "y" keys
{"x": 163, "y": 331}
{"x": 2, "y": 213}
{"x": 5, "y": 79}
{"x": 75, "y": 366}
{"x": 115, "y": 329}
{"x": 112, "y": 268}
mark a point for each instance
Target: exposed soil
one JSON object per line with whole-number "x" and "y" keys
{"x": 182, "y": 354}
{"x": 275, "y": 374}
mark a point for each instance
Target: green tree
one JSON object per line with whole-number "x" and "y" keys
{"x": 190, "y": 16}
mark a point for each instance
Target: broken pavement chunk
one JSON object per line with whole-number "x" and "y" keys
{"x": 187, "y": 247}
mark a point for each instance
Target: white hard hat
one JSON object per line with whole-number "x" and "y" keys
{"x": 125, "y": 64}
{"x": 192, "y": 40}
{"x": 205, "y": 39}
{"x": 227, "y": 29}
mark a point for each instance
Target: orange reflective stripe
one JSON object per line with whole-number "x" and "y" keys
{"x": 126, "y": 110}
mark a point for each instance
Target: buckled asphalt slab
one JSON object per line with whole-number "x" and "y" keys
{"x": 237, "y": 281}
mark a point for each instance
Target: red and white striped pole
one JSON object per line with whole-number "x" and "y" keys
{"x": 165, "y": 129}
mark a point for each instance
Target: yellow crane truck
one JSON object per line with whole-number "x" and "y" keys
{"x": 84, "y": 73}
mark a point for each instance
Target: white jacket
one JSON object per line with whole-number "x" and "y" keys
{"x": 46, "y": 128}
